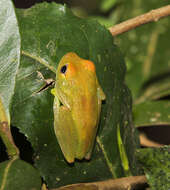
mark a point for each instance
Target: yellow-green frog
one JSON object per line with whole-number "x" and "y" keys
{"x": 77, "y": 106}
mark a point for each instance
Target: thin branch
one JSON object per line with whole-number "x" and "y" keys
{"x": 152, "y": 16}
{"x": 40, "y": 60}
{"x": 124, "y": 183}
{"x": 145, "y": 141}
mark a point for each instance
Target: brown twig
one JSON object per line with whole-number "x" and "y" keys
{"x": 153, "y": 15}
{"x": 145, "y": 141}
{"x": 125, "y": 183}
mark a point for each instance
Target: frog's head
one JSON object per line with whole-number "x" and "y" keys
{"x": 74, "y": 73}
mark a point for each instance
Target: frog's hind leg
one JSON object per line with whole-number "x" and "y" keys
{"x": 65, "y": 131}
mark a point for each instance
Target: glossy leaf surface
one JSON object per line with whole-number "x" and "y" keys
{"x": 17, "y": 174}
{"x": 152, "y": 113}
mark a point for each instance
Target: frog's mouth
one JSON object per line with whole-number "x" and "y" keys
{"x": 61, "y": 104}
{"x": 62, "y": 99}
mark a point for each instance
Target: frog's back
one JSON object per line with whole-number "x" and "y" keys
{"x": 85, "y": 114}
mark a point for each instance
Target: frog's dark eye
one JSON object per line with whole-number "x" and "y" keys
{"x": 63, "y": 69}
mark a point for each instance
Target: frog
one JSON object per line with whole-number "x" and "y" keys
{"x": 77, "y": 106}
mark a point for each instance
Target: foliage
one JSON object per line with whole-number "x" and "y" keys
{"x": 156, "y": 164}
{"x": 45, "y": 39}
{"x": 146, "y": 50}
{"x": 17, "y": 174}
{"x": 48, "y": 31}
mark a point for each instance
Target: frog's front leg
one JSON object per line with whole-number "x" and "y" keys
{"x": 65, "y": 130}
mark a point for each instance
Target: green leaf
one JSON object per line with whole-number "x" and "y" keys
{"x": 9, "y": 52}
{"x": 48, "y": 32}
{"x": 152, "y": 113}
{"x": 17, "y": 174}
{"x": 156, "y": 164}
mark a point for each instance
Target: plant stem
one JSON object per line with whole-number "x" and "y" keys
{"x": 124, "y": 183}
{"x": 40, "y": 60}
{"x": 151, "y": 16}
{"x": 5, "y": 133}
